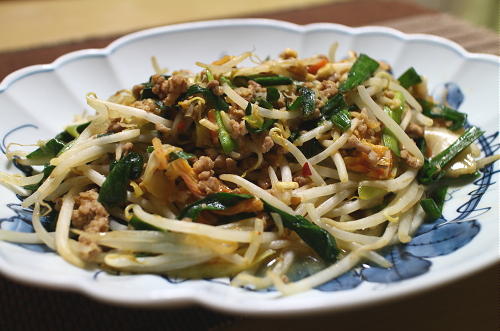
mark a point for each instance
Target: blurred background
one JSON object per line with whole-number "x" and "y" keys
{"x": 484, "y": 13}
{"x": 34, "y": 23}
{"x": 39, "y": 31}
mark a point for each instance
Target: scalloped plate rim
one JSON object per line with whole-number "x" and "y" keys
{"x": 188, "y": 298}
{"x": 184, "y": 296}
{"x": 116, "y": 44}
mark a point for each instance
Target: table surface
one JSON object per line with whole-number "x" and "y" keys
{"x": 468, "y": 304}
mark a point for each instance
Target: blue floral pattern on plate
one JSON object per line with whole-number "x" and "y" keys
{"x": 21, "y": 222}
{"x": 409, "y": 260}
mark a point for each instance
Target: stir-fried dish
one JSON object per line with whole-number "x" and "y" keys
{"x": 248, "y": 171}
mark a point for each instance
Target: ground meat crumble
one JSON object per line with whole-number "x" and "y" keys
{"x": 91, "y": 216}
{"x": 168, "y": 90}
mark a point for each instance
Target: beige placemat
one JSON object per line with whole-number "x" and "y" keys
{"x": 49, "y": 22}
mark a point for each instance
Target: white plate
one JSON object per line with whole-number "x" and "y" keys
{"x": 36, "y": 102}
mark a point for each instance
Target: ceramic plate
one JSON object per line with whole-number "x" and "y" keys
{"x": 36, "y": 102}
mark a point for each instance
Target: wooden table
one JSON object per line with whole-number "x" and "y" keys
{"x": 468, "y": 304}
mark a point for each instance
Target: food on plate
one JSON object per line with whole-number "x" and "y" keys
{"x": 247, "y": 170}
